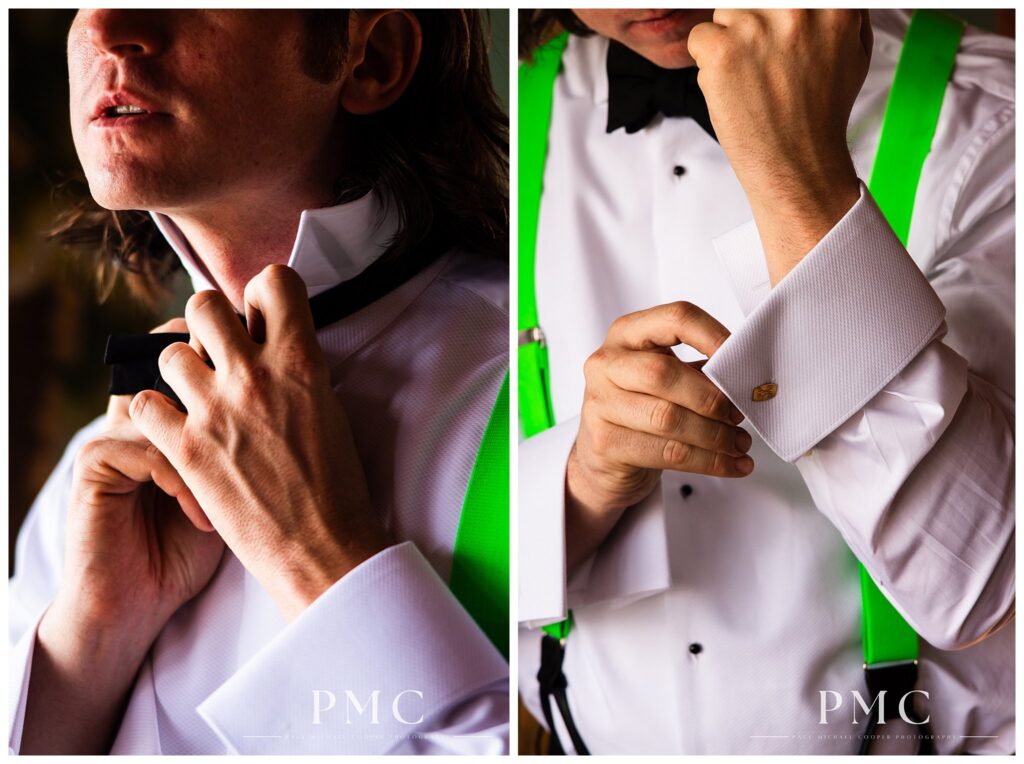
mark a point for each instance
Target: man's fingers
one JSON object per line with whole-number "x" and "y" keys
{"x": 702, "y": 38}
{"x": 216, "y": 328}
{"x": 665, "y": 326}
{"x": 168, "y": 480}
{"x": 117, "y": 406}
{"x": 123, "y": 459}
{"x": 160, "y": 421}
{"x": 665, "y": 376}
{"x": 277, "y": 306}
{"x": 640, "y": 449}
{"x": 183, "y": 369}
{"x": 668, "y": 420}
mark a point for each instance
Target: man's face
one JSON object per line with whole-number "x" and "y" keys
{"x": 229, "y": 112}
{"x": 657, "y": 35}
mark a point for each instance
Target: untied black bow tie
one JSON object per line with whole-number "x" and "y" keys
{"x": 133, "y": 358}
{"x": 639, "y": 89}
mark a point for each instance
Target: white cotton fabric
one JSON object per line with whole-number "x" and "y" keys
{"x": 417, "y": 373}
{"x": 891, "y": 438}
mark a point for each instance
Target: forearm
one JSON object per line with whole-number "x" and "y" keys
{"x": 795, "y": 213}
{"x": 79, "y": 684}
{"x": 937, "y": 524}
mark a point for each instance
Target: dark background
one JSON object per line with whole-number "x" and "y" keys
{"x": 58, "y": 325}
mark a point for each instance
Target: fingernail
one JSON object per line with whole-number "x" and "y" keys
{"x": 743, "y": 441}
{"x": 745, "y": 465}
{"x": 736, "y": 416}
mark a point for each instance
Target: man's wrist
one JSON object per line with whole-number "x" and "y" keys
{"x": 793, "y": 218}
{"x": 105, "y": 656}
{"x": 313, "y": 571}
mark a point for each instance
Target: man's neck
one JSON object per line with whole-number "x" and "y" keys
{"x": 235, "y": 241}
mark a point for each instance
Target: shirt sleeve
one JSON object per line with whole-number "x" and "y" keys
{"x": 385, "y": 661}
{"x": 630, "y": 564}
{"x": 38, "y": 562}
{"x": 895, "y": 394}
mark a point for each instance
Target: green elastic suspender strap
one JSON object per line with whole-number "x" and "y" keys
{"x": 479, "y": 578}
{"x": 536, "y": 89}
{"x": 537, "y": 92}
{"x": 911, "y": 116}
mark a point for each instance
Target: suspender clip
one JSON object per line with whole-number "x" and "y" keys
{"x": 533, "y": 334}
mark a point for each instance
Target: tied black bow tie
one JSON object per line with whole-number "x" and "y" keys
{"x": 133, "y": 358}
{"x": 639, "y": 89}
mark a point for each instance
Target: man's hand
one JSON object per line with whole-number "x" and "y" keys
{"x": 138, "y": 546}
{"x": 780, "y": 85}
{"x": 645, "y": 411}
{"x": 265, "y": 446}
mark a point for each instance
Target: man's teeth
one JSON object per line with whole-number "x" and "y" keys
{"x": 128, "y": 109}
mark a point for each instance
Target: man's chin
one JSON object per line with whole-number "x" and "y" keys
{"x": 123, "y": 195}
{"x": 672, "y": 55}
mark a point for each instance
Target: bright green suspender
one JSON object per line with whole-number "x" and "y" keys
{"x": 911, "y": 117}
{"x": 479, "y": 577}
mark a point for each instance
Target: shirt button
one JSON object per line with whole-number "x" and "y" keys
{"x": 679, "y": 171}
{"x": 686, "y": 490}
{"x": 696, "y": 648}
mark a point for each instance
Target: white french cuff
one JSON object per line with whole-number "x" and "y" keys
{"x": 375, "y": 660}
{"x": 632, "y": 563}
{"x": 848, "y": 318}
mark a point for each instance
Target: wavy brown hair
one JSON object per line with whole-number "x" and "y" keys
{"x": 540, "y": 25}
{"x": 439, "y": 155}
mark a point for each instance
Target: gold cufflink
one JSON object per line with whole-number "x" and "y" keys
{"x": 765, "y": 392}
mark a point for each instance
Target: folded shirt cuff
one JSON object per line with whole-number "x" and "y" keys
{"x": 374, "y": 661}
{"x": 630, "y": 564}
{"x": 852, "y": 314}
{"x": 19, "y": 671}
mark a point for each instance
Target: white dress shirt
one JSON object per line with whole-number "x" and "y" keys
{"x": 891, "y": 434}
{"x": 418, "y": 372}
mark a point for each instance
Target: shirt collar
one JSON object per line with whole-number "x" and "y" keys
{"x": 586, "y": 70}
{"x": 333, "y": 244}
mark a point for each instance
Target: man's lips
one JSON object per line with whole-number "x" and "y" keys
{"x": 655, "y": 16}
{"x": 659, "y": 21}
{"x": 123, "y": 105}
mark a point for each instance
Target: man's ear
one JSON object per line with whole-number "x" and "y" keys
{"x": 384, "y": 50}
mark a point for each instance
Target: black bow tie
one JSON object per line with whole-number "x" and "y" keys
{"x": 133, "y": 358}
{"x": 639, "y": 89}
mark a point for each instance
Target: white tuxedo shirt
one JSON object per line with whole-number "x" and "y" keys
{"x": 418, "y": 372}
{"x": 891, "y": 434}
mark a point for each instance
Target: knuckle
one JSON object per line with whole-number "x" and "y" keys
{"x": 201, "y": 300}
{"x": 674, "y": 452}
{"x": 188, "y": 452}
{"x": 714, "y": 402}
{"x": 664, "y": 417}
{"x": 139, "y": 403}
{"x": 593, "y": 367}
{"x": 172, "y": 354}
{"x": 721, "y": 438}
{"x": 721, "y": 466}
{"x": 90, "y": 452}
{"x": 655, "y": 372}
{"x": 276, "y": 277}
{"x": 681, "y": 312}
{"x": 601, "y": 440}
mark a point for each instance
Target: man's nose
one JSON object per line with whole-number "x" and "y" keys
{"x": 125, "y": 33}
